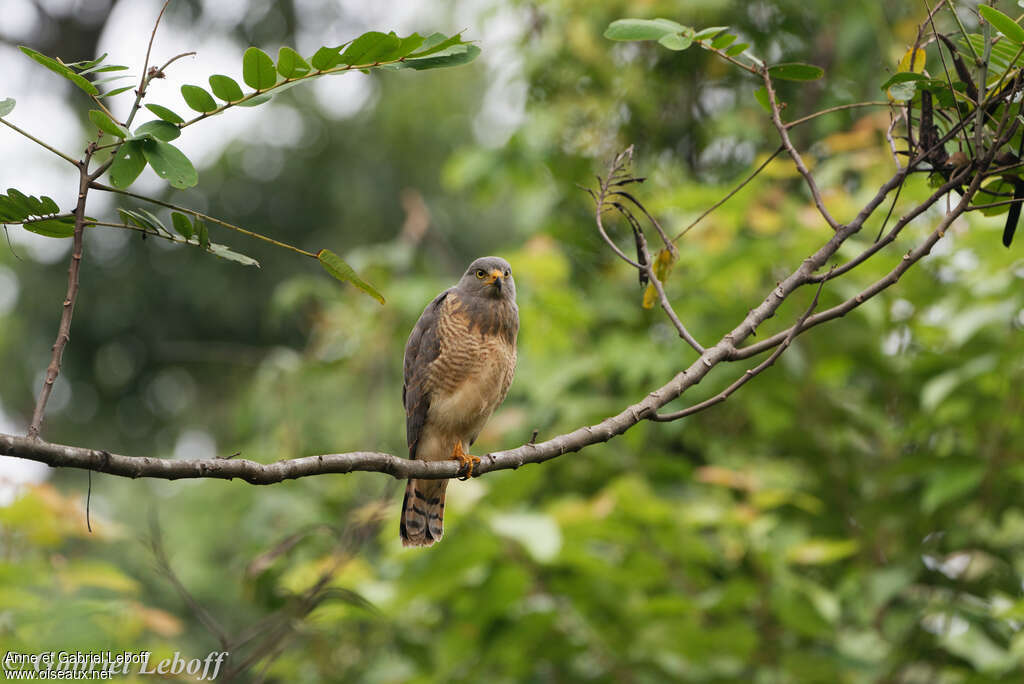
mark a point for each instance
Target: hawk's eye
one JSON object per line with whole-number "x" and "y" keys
{"x": 507, "y": 273}
{"x": 480, "y": 273}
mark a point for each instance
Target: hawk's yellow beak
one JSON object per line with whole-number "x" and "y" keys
{"x": 496, "y": 275}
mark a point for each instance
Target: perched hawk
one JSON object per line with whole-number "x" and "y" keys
{"x": 459, "y": 362}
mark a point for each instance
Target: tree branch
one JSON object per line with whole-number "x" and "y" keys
{"x": 797, "y": 328}
{"x": 64, "y": 329}
{"x": 39, "y": 142}
{"x": 797, "y": 159}
{"x": 200, "y": 215}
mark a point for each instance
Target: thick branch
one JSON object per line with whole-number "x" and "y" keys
{"x": 750, "y": 372}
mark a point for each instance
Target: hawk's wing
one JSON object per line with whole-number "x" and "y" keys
{"x": 423, "y": 346}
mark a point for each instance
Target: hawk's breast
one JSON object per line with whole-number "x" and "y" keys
{"x": 470, "y": 375}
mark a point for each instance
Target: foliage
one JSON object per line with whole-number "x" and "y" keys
{"x": 149, "y": 144}
{"x": 852, "y": 515}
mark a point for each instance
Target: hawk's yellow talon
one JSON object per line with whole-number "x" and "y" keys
{"x": 467, "y": 460}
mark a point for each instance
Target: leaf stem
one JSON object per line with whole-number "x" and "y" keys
{"x": 204, "y": 217}
{"x": 40, "y": 142}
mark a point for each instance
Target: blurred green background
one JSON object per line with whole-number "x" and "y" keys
{"x": 852, "y": 515}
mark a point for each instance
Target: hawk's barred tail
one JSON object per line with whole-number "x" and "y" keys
{"x": 422, "y": 521}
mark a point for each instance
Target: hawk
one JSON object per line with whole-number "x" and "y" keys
{"x": 459, "y": 363}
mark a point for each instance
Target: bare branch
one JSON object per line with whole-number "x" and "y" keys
{"x": 656, "y": 282}
{"x": 64, "y": 329}
{"x": 730, "y": 194}
{"x": 146, "y": 76}
{"x": 908, "y": 260}
{"x": 749, "y": 374}
{"x": 812, "y": 185}
{"x": 39, "y": 142}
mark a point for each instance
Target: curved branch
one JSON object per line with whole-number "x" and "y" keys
{"x": 812, "y": 185}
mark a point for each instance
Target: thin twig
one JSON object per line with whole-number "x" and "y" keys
{"x": 837, "y": 108}
{"x": 812, "y": 185}
{"x": 731, "y": 193}
{"x": 88, "y": 502}
{"x": 64, "y": 329}
{"x": 164, "y": 565}
{"x": 908, "y": 260}
{"x": 145, "y": 78}
{"x": 748, "y": 375}
{"x": 662, "y": 297}
{"x": 39, "y": 142}
{"x": 891, "y": 235}
{"x": 198, "y": 214}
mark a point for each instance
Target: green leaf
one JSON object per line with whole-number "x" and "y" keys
{"x": 182, "y": 224}
{"x": 901, "y": 92}
{"x": 676, "y": 41}
{"x": 327, "y": 58}
{"x": 137, "y": 219}
{"x": 170, "y": 164}
{"x": 203, "y": 234}
{"x": 821, "y": 551}
{"x": 258, "y": 70}
{"x": 104, "y": 69}
{"x": 49, "y": 206}
{"x": 1004, "y": 24}
{"x": 997, "y": 190}
{"x": 710, "y": 32}
{"x": 106, "y": 124}
{"x": 334, "y": 265}
{"x": 737, "y": 49}
{"x": 903, "y": 77}
{"x": 643, "y": 29}
{"x": 290, "y": 63}
{"x": 6, "y": 106}
{"x": 153, "y": 220}
{"x": 128, "y": 164}
{"x": 10, "y": 212}
{"x": 165, "y": 113}
{"x": 947, "y": 483}
{"x": 55, "y": 228}
{"x": 159, "y": 129}
{"x": 58, "y": 68}
{"x": 796, "y": 71}
{"x": 36, "y": 206}
{"x": 87, "y": 65}
{"x": 116, "y": 91}
{"x": 370, "y": 47}
{"x": 449, "y": 57}
{"x": 198, "y": 99}
{"x": 20, "y": 201}
{"x": 111, "y": 79}
{"x": 224, "y": 252}
{"x": 407, "y": 45}
{"x": 723, "y": 41}
{"x": 258, "y": 100}
{"x": 436, "y": 42}
{"x": 225, "y": 88}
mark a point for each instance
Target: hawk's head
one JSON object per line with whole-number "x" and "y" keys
{"x": 490, "y": 278}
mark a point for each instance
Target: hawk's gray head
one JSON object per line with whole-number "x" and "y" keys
{"x": 488, "y": 278}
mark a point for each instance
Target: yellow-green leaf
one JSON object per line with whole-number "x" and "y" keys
{"x": 913, "y": 60}
{"x": 337, "y": 267}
